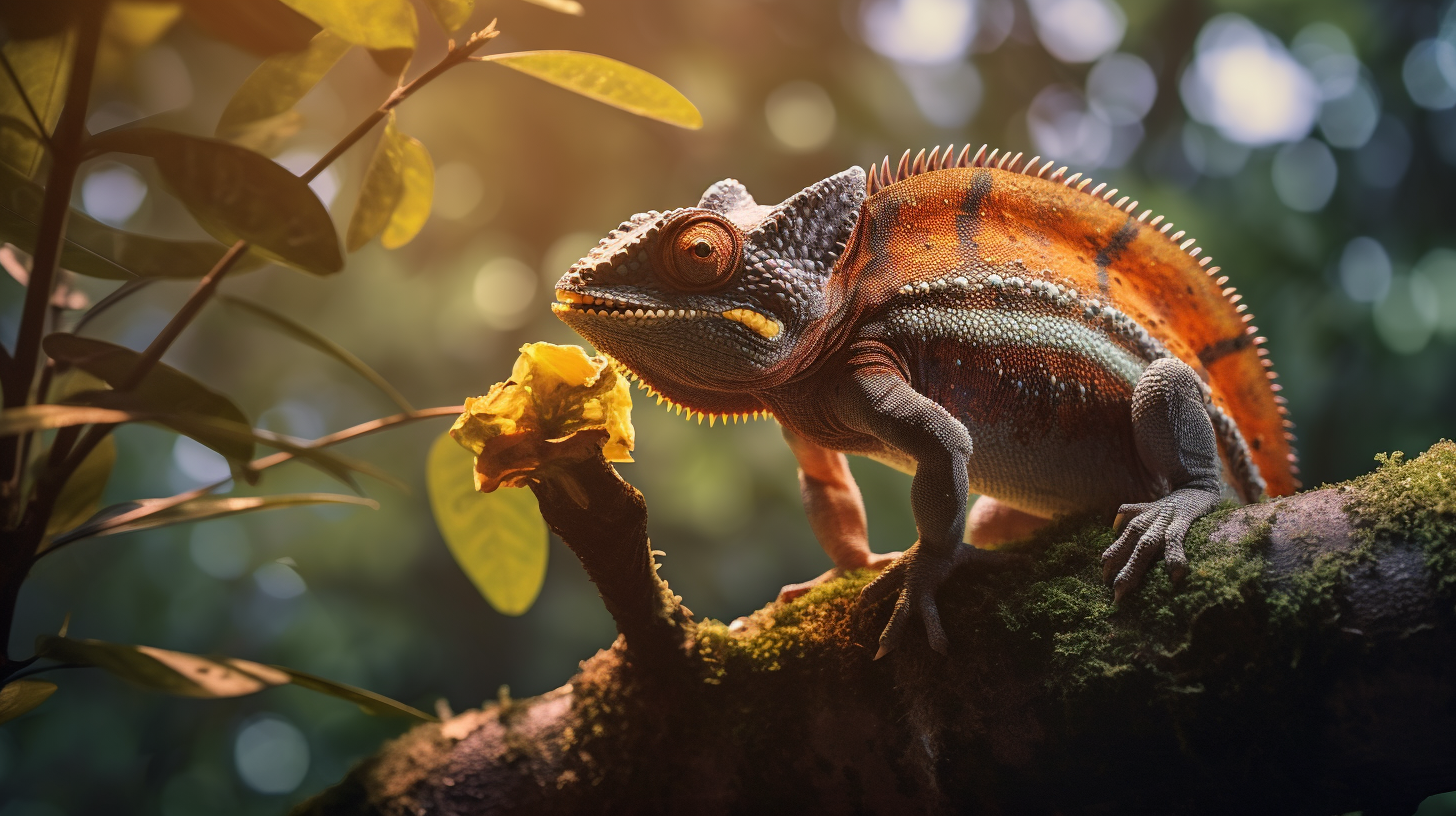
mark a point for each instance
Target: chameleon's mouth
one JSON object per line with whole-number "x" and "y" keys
{"x": 599, "y": 306}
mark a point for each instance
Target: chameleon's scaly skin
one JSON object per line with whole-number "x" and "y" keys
{"x": 1028, "y": 338}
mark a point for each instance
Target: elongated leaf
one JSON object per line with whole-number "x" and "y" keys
{"x": 236, "y": 193}
{"x": 99, "y": 251}
{"x": 276, "y": 86}
{"x": 393, "y": 62}
{"x": 309, "y": 337}
{"x": 606, "y": 80}
{"x": 203, "y": 508}
{"x": 41, "y": 65}
{"x": 81, "y": 496}
{"x": 264, "y": 27}
{"x": 564, "y": 6}
{"x": 268, "y": 136}
{"x": 20, "y": 696}
{"x": 417, "y": 193}
{"x": 29, "y": 418}
{"x": 377, "y": 24}
{"x": 190, "y": 675}
{"x": 130, "y": 28}
{"x": 382, "y": 188}
{"x": 375, "y": 704}
{"x": 451, "y": 14}
{"x": 498, "y": 539}
{"x": 164, "y": 391}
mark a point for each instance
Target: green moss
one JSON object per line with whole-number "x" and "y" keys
{"x": 1416, "y": 500}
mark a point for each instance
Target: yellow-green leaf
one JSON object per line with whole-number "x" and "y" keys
{"x": 267, "y": 136}
{"x": 131, "y": 27}
{"x": 20, "y": 696}
{"x": 381, "y": 190}
{"x": 41, "y": 65}
{"x": 377, "y": 24}
{"x": 375, "y": 704}
{"x": 451, "y": 14}
{"x": 417, "y": 192}
{"x": 499, "y": 538}
{"x": 393, "y": 61}
{"x": 264, "y": 27}
{"x": 606, "y": 80}
{"x": 81, "y": 496}
{"x": 275, "y": 86}
{"x": 564, "y": 6}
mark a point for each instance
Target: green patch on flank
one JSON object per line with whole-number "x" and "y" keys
{"x": 1415, "y": 500}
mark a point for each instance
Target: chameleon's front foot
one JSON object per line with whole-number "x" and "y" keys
{"x": 1151, "y": 528}
{"x": 914, "y": 578}
{"x": 876, "y": 562}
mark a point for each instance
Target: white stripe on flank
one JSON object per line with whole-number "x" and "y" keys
{"x": 991, "y": 327}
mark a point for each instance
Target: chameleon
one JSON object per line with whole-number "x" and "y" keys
{"x": 991, "y": 326}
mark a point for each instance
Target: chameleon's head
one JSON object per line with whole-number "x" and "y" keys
{"x": 704, "y": 303}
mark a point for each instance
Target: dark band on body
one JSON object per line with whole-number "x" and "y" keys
{"x": 1109, "y": 253}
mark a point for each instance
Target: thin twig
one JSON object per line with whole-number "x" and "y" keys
{"x": 21, "y": 675}
{"x": 40, "y": 128}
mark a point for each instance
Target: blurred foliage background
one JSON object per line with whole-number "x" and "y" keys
{"x": 1310, "y": 145}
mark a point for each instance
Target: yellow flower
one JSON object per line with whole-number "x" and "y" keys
{"x": 553, "y": 393}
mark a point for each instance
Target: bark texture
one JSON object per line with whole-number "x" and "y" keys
{"x": 1307, "y": 665}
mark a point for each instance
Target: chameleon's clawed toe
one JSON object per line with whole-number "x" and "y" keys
{"x": 1155, "y": 528}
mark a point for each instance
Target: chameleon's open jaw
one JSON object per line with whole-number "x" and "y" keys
{"x": 599, "y": 306}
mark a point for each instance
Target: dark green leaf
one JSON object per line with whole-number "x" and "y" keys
{"x": 498, "y": 538}
{"x": 165, "y": 391}
{"x": 376, "y": 704}
{"x": 606, "y": 80}
{"x": 309, "y": 337}
{"x": 451, "y": 14}
{"x": 28, "y": 21}
{"x": 393, "y": 61}
{"x": 264, "y": 27}
{"x": 381, "y": 190}
{"x": 235, "y": 193}
{"x": 20, "y": 696}
{"x": 128, "y": 517}
{"x": 81, "y": 496}
{"x": 417, "y": 193}
{"x": 276, "y": 86}
{"x": 41, "y": 64}
{"x": 376, "y": 24}
{"x": 99, "y": 251}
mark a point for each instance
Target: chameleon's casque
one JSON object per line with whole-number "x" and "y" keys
{"x": 1031, "y": 336}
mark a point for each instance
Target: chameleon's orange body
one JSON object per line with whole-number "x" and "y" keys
{"x": 1022, "y": 225}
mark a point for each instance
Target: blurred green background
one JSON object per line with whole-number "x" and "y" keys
{"x": 1310, "y": 145}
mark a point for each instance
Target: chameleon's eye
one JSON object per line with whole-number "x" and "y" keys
{"x": 700, "y": 251}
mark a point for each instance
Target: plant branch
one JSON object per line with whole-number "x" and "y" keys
{"x": 21, "y": 675}
{"x": 40, "y": 128}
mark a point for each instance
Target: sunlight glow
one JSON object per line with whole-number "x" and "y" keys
{"x": 923, "y": 32}
{"x": 1247, "y": 85}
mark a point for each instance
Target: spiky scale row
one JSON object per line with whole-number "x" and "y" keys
{"x": 678, "y": 408}
{"x": 881, "y": 177}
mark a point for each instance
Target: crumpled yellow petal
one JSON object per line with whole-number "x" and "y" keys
{"x": 554, "y": 392}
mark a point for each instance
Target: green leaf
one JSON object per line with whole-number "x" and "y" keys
{"x": 28, "y": 418}
{"x": 235, "y": 193}
{"x": 164, "y": 391}
{"x": 451, "y": 14}
{"x": 130, "y": 28}
{"x": 309, "y": 337}
{"x": 393, "y": 61}
{"x": 264, "y": 27}
{"x": 42, "y": 66}
{"x": 498, "y": 538}
{"x": 417, "y": 193}
{"x": 125, "y": 518}
{"x": 564, "y": 6}
{"x": 276, "y": 86}
{"x": 606, "y": 80}
{"x": 375, "y": 704}
{"x": 20, "y": 696}
{"x": 376, "y": 24}
{"x": 381, "y": 190}
{"x": 267, "y": 136}
{"x": 190, "y": 675}
{"x": 81, "y": 496}
{"x": 99, "y": 251}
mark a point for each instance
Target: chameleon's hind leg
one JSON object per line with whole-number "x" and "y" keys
{"x": 990, "y": 524}
{"x": 1176, "y": 443}
{"x": 836, "y": 513}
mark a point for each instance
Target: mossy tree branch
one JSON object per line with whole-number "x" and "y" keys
{"x": 1307, "y": 665}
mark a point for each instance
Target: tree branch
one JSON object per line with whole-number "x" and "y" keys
{"x": 1307, "y": 665}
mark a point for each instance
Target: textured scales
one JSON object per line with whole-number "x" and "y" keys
{"x": 990, "y": 325}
